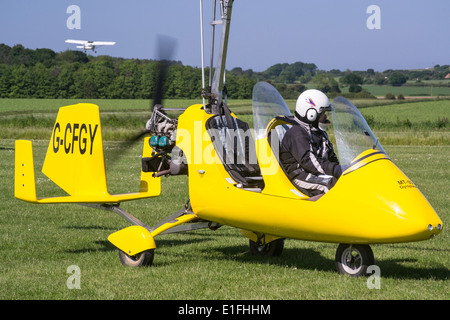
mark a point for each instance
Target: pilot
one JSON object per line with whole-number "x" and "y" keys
{"x": 306, "y": 153}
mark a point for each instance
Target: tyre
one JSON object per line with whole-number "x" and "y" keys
{"x": 354, "y": 259}
{"x": 271, "y": 249}
{"x": 143, "y": 259}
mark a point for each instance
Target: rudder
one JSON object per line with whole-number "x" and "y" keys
{"x": 75, "y": 160}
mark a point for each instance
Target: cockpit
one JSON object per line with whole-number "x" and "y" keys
{"x": 251, "y": 157}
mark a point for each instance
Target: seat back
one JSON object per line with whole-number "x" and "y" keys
{"x": 235, "y": 147}
{"x": 276, "y": 135}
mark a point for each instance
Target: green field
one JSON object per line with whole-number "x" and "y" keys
{"x": 39, "y": 242}
{"x": 411, "y": 89}
{"x": 408, "y": 91}
{"x": 422, "y": 122}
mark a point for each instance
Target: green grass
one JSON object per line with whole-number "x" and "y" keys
{"x": 411, "y": 91}
{"x": 424, "y": 111}
{"x": 394, "y": 122}
{"x": 412, "y": 123}
{"x": 39, "y": 242}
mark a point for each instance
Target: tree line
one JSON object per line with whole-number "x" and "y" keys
{"x": 43, "y": 73}
{"x": 301, "y": 75}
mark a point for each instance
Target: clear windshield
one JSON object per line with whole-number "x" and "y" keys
{"x": 352, "y": 133}
{"x": 267, "y": 104}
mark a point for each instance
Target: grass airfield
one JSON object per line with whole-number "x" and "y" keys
{"x": 40, "y": 242}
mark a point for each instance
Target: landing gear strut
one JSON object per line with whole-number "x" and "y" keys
{"x": 271, "y": 249}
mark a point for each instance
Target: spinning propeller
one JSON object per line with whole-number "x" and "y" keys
{"x": 165, "y": 50}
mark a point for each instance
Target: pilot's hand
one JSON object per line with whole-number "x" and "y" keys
{"x": 338, "y": 169}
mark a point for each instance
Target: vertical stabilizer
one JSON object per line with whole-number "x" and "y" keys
{"x": 74, "y": 159}
{"x": 24, "y": 180}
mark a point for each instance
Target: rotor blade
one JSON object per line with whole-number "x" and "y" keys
{"x": 166, "y": 47}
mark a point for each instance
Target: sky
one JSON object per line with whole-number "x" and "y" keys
{"x": 333, "y": 34}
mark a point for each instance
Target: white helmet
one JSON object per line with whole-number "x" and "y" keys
{"x": 310, "y": 104}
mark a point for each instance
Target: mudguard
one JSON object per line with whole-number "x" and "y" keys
{"x": 133, "y": 240}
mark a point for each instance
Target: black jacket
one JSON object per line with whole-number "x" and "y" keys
{"x": 306, "y": 153}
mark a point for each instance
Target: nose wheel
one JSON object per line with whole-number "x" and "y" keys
{"x": 143, "y": 259}
{"x": 354, "y": 259}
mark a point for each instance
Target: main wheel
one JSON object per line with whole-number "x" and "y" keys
{"x": 271, "y": 249}
{"x": 354, "y": 259}
{"x": 142, "y": 259}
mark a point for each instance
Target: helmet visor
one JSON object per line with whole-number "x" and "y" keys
{"x": 327, "y": 108}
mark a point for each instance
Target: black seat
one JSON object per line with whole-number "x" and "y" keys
{"x": 235, "y": 147}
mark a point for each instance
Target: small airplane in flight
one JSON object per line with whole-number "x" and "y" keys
{"x": 90, "y": 45}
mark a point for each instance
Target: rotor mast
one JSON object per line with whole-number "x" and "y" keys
{"x": 217, "y": 83}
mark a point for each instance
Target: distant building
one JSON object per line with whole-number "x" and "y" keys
{"x": 447, "y": 76}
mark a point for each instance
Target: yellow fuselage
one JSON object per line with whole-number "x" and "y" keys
{"x": 372, "y": 202}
